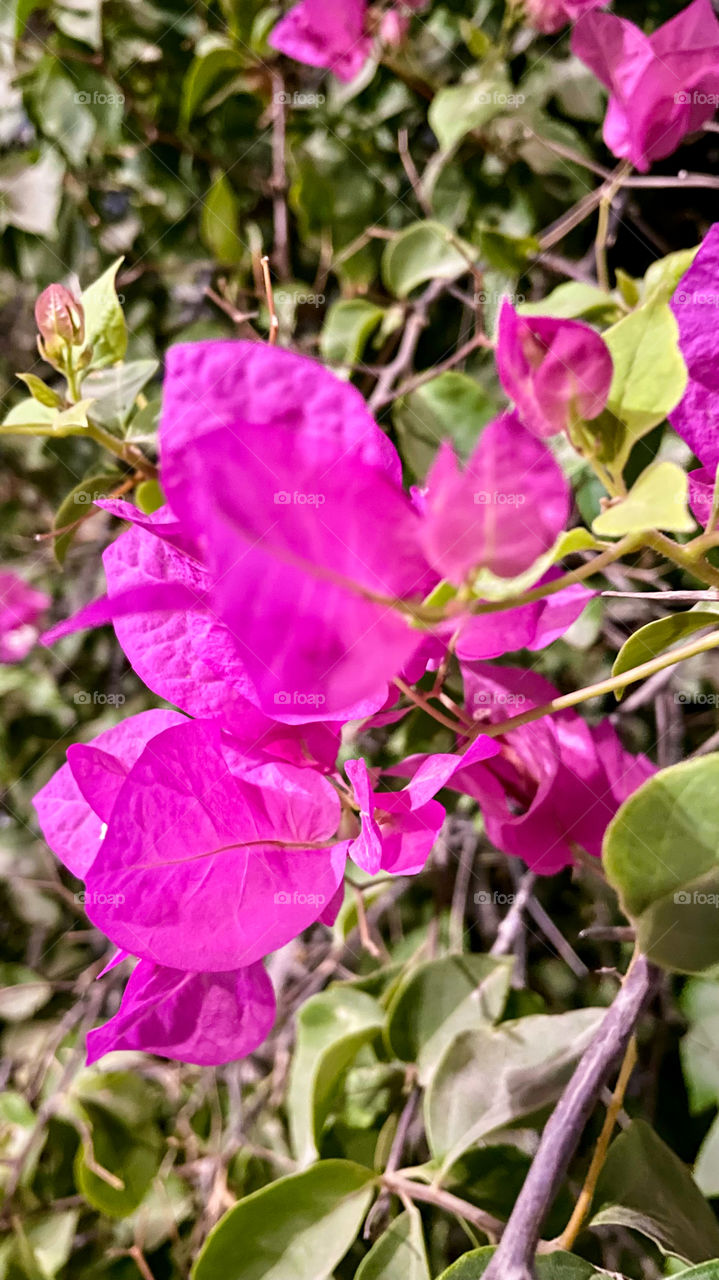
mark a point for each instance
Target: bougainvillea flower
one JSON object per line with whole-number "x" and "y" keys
{"x": 188, "y": 657}
{"x": 209, "y": 862}
{"x": 399, "y": 828}
{"x": 555, "y": 371}
{"x": 325, "y": 33}
{"x": 297, "y": 537}
{"x": 203, "y": 1018}
{"x": 662, "y": 87}
{"x": 20, "y": 608}
{"x": 701, "y": 494}
{"x": 530, "y": 626}
{"x": 501, "y": 511}
{"x": 71, "y": 825}
{"x": 551, "y": 15}
{"x": 556, "y": 782}
{"x": 696, "y": 307}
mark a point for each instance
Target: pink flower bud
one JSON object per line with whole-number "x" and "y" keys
{"x": 60, "y": 319}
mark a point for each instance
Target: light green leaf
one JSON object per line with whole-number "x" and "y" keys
{"x": 661, "y": 854}
{"x": 440, "y": 999}
{"x": 348, "y": 326}
{"x": 663, "y": 276}
{"x": 699, "y": 1048}
{"x": 658, "y": 636}
{"x": 451, "y": 406}
{"x": 705, "y": 1271}
{"x": 115, "y": 391}
{"x": 644, "y": 1186}
{"x": 298, "y": 1228}
{"x": 105, "y": 329}
{"x": 332, "y": 1027}
{"x": 658, "y": 500}
{"x": 457, "y": 109}
{"x": 81, "y": 20}
{"x": 149, "y": 496}
{"x": 424, "y": 251}
{"x": 40, "y": 391}
{"x": 572, "y": 301}
{"x": 219, "y": 223}
{"x": 398, "y": 1254}
{"x": 706, "y": 1167}
{"x": 489, "y": 1078}
{"x": 650, "y": 376}
{"x": 22, "y": 992}
{"x": 30, "y": 193}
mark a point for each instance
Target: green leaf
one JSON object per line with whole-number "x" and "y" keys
{"x": 489, "y": 1078}
{"x": 348, "y": 326}
{"x": 644, "y": 1186}
{"x": 332, "y": 1027}
{"x": 115, "y": 391}
{"x": 573, "y": 301}
{"x": 219, "y": 223}
{"x": 661, "y": 854}
{"x": 658, "y": 500}
{"x": 80, "y": 19}
{"x": 650, "y": 376}
{"x": 658, "y": 636}
{"x": 705, "y": 1271}
{"x": 554, "y": 1266}
{"x": 398, "y": 1254}
{"x": 77, "y": 504}
{"x": 42, "y": 1244}
{"x": 706, "y": 1167}
{"x": 131, "y": 1157}
{"x": 424, "y": 251}
{"x": 105, "y": 329}
{"x": 451, "y": 406}
{"x": 30, "y": 193}
{"x": 205, "y": 74}
{"x": 149, "y": 496}
{"x": 441, "y": 998}
{"x": 699, "y": 1048}
{"x": 40, "y": 391}
{"x": 456, "y": 110}
{"x": 22, "y": 992}
{"x": 663, "y": 276}
{"x": 298, "y": 1228}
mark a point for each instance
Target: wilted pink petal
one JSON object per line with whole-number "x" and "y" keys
{"x": 502, "y": 511}
{"x": 696, "y": 307}
{"x": 210, "y": 865}
{"x": 555, "y": 371}
{"x": 69, "y": 822}
{"x": 325, "y": 33}
{"x": 20, "y": 608}
{"x": 662, "y": 86}
{"x": 202, "y": 1018}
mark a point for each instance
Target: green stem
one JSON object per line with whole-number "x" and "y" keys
{"x": 122, "y": 449}
{"x": 602, "y": 686}
{"x": 696, "y": 565}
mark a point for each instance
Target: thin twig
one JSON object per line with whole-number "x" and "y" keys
{"x": 491, "y": 1226}
{"x": 514, "y": 1258}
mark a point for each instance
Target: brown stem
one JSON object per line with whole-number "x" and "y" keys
{"x": 514, "y": 1258}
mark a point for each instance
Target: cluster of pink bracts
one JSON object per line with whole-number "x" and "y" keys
{"x": 662, "y": 87}
{"x": 275, "y": 599}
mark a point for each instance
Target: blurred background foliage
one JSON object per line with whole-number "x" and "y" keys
{"x": 174, "y": 138}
